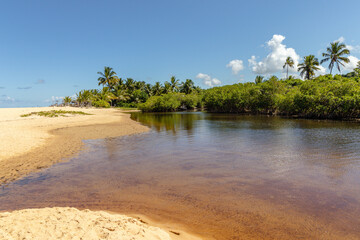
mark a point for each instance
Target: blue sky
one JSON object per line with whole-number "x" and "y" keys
{"x": 52, "y": 48}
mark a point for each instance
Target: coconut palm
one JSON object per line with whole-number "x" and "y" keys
{"x": 157, "y": 89}
{"x": 167, "y": 87}
{"x": 174, "y": 84}
{"x": 67, "y": 100}
{"x": 108, "y": 77}
{"x": 288, "y": 63}
{"x": 84, "y": 97}
{"x": 336, "y": 55}
{"x": 357, "y": 69}
{"x": 130, "y": 84}
{"x": 308, "y": 67}
{"x": 187, "y": 87}
{"x": 259, "y": 79}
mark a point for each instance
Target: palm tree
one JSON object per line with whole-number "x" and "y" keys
{"x": 308, "y": 67}
{"x": 335, "y": 53}
{"x": 187, "y": 87}
{"x": 357, "y": 69}
{"x": 167, "y": 87}
{"x": 288, "y": 63}
{"x": 157, "y": 89}
{"x": 174, "y": 84}
{"x": 108, "y": 77}
{"x": 130, "y": 84}
{"x": 259, "y": 79}
{"x": 67, "y": 100}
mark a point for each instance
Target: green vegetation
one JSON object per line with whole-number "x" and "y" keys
{"x": 326, "y": 96}
{"x": 171, "y": 102}
{"x": 288, "y": 63}
{"x": 55, "y": 113}
{"x": 308, "y": 67}
{"x": 335, "y": 54}
{"x": 130, "y": 94}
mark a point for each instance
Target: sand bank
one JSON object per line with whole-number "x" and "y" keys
{"x": 70, "y": 223}
{"x": 31, "y": 143}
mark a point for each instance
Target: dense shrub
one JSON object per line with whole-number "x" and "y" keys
{"x": 171, "y": 102}
{"x": 323, "y": 97}
{"x": 101, "y": 104}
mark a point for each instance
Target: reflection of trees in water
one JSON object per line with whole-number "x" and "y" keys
{"x": 282, "y": 143}
{"x": 168, "y": 121}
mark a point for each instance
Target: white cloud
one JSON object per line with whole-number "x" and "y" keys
{"x": 340, "y": 39}
{"x": 352, "y": 64}
{"x": 275, "y": 60}
{"x": 322, "y": 71}
{"x": 352, "y": 48}
{"x": 54, "y": 99}
{"x": 236, "y": 66}
{"x": 208, "y": 81}
{"x": 6, "y": 99}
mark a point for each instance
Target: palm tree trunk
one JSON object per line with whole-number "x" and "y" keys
{"x": 287, "y": 72}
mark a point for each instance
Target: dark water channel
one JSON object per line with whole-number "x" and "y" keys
{"x": 221, "y": 176}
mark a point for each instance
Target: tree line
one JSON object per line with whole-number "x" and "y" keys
{"x": 327, "y": 96}
{"x": 120, "y": 92}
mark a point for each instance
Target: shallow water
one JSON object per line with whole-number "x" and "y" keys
{"x": 221, "y": 176}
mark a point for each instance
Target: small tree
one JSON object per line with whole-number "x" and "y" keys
{"x": 288, "y": 63}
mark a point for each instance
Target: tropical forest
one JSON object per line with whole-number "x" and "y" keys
{"x": 308, "y": 96}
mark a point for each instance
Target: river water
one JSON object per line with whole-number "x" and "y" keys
{"x": 220, "y": 176}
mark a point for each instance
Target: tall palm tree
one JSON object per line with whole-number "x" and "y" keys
{"x": 288, "y": 63}
{"x": 174, "y": 84}
{"x": 309, "y": 66}
{"x": 335, "y": 53}
{"x": 108, "y": 77}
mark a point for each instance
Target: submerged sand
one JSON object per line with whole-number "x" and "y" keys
{"x": 70, "y": 223}
{"x": 31, "y": 143}
{"x": 28, "y": 144}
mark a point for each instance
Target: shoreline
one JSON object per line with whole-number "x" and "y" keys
{"x": 44, "y": 141}
{"x": 53, "y": 140}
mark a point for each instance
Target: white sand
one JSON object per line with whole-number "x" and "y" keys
{"x": 70, "y": 223}
{"x": 19, "y": 135}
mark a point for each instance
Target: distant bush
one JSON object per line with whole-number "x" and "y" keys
{"x": 101, "y": 104}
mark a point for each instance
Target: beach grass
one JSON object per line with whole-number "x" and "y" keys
{"x": 55, "y": 113}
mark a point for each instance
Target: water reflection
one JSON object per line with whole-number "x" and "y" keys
{"x": 224, "y": 176}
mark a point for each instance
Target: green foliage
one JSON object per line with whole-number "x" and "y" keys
{"x": 323, "y": 97}
{"x": 55, "y": 113}
{"x": 171, "y": 102}
{"x": 336, "y": 55}
{"x": 130, "y": 93}
{"x": 101, "y": 103}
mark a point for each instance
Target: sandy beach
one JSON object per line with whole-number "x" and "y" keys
{"x": 28, "y": 144}
{"x": 24, "y": 139}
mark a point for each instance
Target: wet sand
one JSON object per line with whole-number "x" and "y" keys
{"x": 28, "y": 144}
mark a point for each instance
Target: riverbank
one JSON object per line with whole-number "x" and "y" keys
{"x": 30, "y": 143}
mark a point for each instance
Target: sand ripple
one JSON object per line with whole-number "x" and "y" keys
{"x": 71, "y": 223}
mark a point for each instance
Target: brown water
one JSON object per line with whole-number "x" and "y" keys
{"x": 221, "y": 176}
